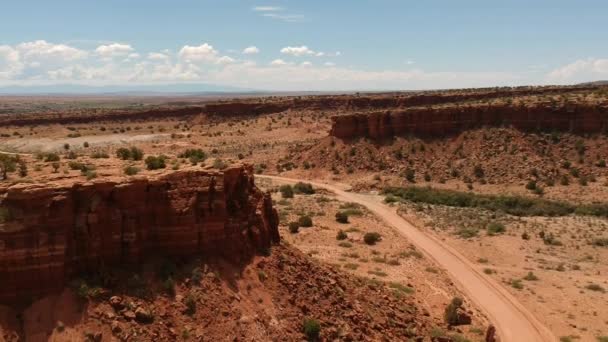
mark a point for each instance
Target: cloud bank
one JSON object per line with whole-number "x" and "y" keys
{"x": 42, "y": 63}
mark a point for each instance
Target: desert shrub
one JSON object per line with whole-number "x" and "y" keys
{"x": 525, "y": 236}
{"x": 341, "y": 217}
{"x": 90, "y": 174}
{"x": 450, "y": 314}
{"x": 155, "y": 162}
{"x": 531, "y": 185}
{"x": 85, "y": 144}
{"x": 74, "y": 165}
{"x": 219, "y": 164}
{"x": 305, "y": 221}
{"x": 132, "y": 153}
{"x": 100, "y": 154}
{"x": 169, "y": 286}
{"x": 478, "y": 171}
{"x": 600, "y": 242}
{"x": 286, "y": 191}
{"x": 71, "y": 155}
{"x": 190, "y": 302}
{"x": 194, "y": 155}
{"x": 371, "y": 238}
{"x": 427, "y": 177}
{"x": 311, "y": 328}
{"x": 467, "y": 232}
{"x": 303, "y": 188}
{"x": 516, "y": 284}
{"x": 531, "y": 277}
{"x": 22, "y": 169}
{"x": 410, "y": 175}
{"x": 51, "y": 157}
{"x": 564, "y": 180}
{"x": 595, "y": 287}
{"x": 495, "y": 228}
{"x": 294, "y": 227}
{"x": 131, "y": 170}
{"x": 341, "y": 235}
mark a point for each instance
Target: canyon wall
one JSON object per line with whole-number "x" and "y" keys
{"x": 432, "y": 122}
{"x": 260, "y": 106}
{"x": 50, "y": 233}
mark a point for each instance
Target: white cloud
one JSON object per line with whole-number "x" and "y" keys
{"x": 297, "y": 51}
{"x": 42, "y": 50}
{"x": 290, "y": 18}
{"x": 114, "y": 50}
{"x": 204, "y": 53}
{"x": 157, "y": 56}
{"x": 582, "y": 70}
{"x": 278, "y": 13}
{"x": 278, "y": 62}
{"x": 251, "y": 50}
{"x": 10, "y": 63}
{"x": 40, "y": 62}
{"x": 267, "y": 9}
{"x": 409, "y": 62}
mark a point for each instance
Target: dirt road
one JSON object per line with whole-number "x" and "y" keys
{"x": 511, "y": 319}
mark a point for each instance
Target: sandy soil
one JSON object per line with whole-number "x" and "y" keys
{"x": 513, "y": 320}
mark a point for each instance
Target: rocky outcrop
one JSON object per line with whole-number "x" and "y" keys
{"x": 50, "y": 233}
{"x": 441, "y": 121}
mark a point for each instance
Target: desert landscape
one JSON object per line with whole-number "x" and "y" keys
{"x": 387, "y": 216}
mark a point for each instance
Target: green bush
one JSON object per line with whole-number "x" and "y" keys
{"x": 495, "y": 228}
{"x": 51, "y": 157}
{"x": 294, "y": 227}
{"x": 305, "y": 221}
{"x": 371, "y": 238}
{"x": 131, "y": 170}
{"x": 311, "y": 328}
{"x": 303, "y": 188}
{"x": 132, "y": 153}
{"x": 286, "y": 191}
{"x": 450, "y": 314}
{"x": 341, "y": 217}
{"x": 155, "y": 162}
{"x": 194, "y": 155}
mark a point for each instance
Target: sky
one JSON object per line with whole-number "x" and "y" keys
{"x": 303, "y": 45}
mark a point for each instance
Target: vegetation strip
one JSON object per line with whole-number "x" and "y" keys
{"x": 513, "y": 205}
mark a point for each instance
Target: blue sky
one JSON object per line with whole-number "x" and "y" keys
{"x": 303, "y": 45}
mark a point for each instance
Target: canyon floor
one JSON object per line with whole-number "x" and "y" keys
{"x": 554, "y": 266}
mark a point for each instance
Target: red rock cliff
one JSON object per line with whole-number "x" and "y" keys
{"x": 50, "y": 233}
{"x": 428, "y": 122}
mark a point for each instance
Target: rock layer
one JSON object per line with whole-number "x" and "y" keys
{"x": 50, "y": 233}
{"x": 257, "y": 106}
{"x": 441, "y": 121}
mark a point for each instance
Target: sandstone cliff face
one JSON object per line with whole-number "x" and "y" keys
{"x": 50, "y": 233}
{"x": 248, "y": 107}
{"x": 429, "y": 122}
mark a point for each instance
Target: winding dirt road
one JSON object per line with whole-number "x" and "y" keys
{"x": 511, "y": 319}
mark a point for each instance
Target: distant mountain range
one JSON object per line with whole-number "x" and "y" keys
{"x": 595, "y": 83}
{"x": 160, "y": 89}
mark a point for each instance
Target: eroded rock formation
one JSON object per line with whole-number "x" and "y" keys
{"x": 441, "y": 121}
{"x": 49, "y": 233}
